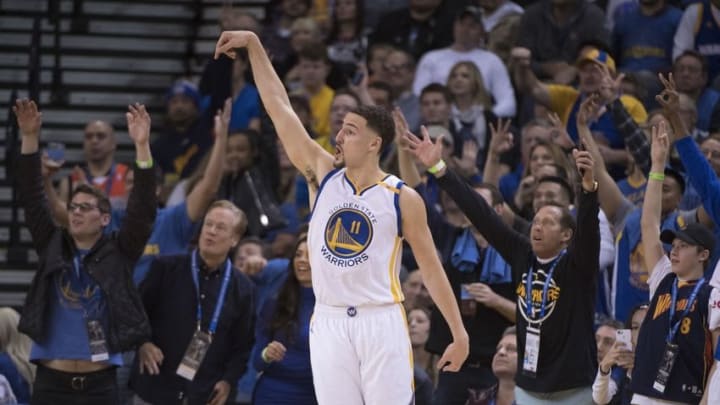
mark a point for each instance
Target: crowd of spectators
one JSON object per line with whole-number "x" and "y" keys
{"x": 577, "y": 202}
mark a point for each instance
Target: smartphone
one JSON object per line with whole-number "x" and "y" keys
{"x": 624, "y": 337}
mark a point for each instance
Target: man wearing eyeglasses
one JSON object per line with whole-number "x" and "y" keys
{"x": 82, "y": 309}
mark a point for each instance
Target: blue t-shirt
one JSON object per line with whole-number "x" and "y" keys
{"x": 20, "y": 386}
{"x": 645, "y": 42}
{"x": 171, "y": 235}
{"x": 245, "y": 107}
{"x": 75, "y": 297}
{"x": 635, "y": 193}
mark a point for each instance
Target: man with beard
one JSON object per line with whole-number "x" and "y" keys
{"x": 359, "y": 343}
{"x": 186, "y": 136}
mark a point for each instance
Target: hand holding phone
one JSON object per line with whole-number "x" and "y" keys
{"x": 55, "y": 151}
{"x": 624, "y": 337}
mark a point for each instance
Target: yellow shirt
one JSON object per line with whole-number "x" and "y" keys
{"x": 563, "y": 97}
{"x": 320, "y": 104}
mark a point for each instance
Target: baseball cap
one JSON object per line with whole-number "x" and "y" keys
{"x": 695, "y": 234}
{"x": 184, "y": 88}
{"x": 597, "y": 56}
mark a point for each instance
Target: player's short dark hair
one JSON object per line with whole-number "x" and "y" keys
{"x": 103, "y": 202}
{"x": 379, "y": 120}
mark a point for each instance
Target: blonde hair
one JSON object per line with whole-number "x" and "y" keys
{"x": 241, "y": 219}
{"x": 480, "y": 94}
{"x": 16, "y": 344}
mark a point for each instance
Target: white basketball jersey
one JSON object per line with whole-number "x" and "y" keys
{"x": 355, "y": 242}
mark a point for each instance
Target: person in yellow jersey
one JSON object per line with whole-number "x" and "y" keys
{"x": 359, "y": 346}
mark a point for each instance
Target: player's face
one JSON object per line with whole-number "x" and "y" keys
{"x": 419, "y": 327}
{"x": 355, "y": 142}
{"x": 547, "y": 234}
{"x": 504, "y": 364}
{"x": 301, "y": 265}
{"x": 218, "y": 235}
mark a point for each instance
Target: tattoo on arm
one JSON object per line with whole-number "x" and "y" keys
{"x": 311, "y": 178}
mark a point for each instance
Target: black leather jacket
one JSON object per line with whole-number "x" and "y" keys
{"x": 110, "y": 262}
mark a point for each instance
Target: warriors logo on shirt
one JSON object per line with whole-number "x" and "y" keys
{"x": 348, "y": 233}
{"x": 553, "y": 294}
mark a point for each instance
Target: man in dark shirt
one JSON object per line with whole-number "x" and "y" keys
{"x": 418, "y": 28}
{"x": 201, "y": 314}
{"x": 556, "y": 344}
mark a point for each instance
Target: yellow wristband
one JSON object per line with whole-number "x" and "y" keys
{"x": 438, "y": 166}
{"x": 656, "y": 176}
{"x": 144, "y": 164}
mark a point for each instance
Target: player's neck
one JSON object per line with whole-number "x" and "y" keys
{"x": 363, "y": 177}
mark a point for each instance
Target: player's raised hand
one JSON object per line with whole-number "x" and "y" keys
{"x": 231, "y": 40}
{"x": 454, "y": 356}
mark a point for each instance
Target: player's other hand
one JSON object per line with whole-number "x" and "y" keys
{"x": 455, "y": 355}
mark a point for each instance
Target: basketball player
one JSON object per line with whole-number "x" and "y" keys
{"x": 359, "y": 345}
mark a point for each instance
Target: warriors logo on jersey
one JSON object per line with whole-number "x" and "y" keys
{"x": 348, "y": 233}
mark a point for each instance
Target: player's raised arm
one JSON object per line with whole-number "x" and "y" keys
{"x": 307, "y": 156}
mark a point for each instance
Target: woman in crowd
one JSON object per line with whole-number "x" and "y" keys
{"x": 424, "y": 373}
{"x": 14, "y": 355}
{"x": 471, "y": 108}
{"x": 282, "y": 333}
{"x": 345, "y": 41}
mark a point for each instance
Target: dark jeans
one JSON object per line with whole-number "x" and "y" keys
{"x": 53, "y": 387}
{"x": 454, "y": 388}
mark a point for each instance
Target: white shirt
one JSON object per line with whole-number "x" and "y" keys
{"x": 685, "y": 34}
{"x": 435, "y": 66}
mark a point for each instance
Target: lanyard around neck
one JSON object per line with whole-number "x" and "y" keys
{"x": 195, "y": 270}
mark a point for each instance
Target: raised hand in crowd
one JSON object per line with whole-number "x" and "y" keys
{"x": 138, "y": 122}
{"x": 29, "y": 120}
{"x": 610, "y": 86}
{"x": 559, "y": 134}
{"x": 426, "y": 151}
{"x": 585, "y": 165}
{"x": 466, "y": 164}
{"x": 660, "y": 146}
{"x": 49, "y": 167}
{"x": 501, "y": 141}
{"x": 669, "y": 100}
